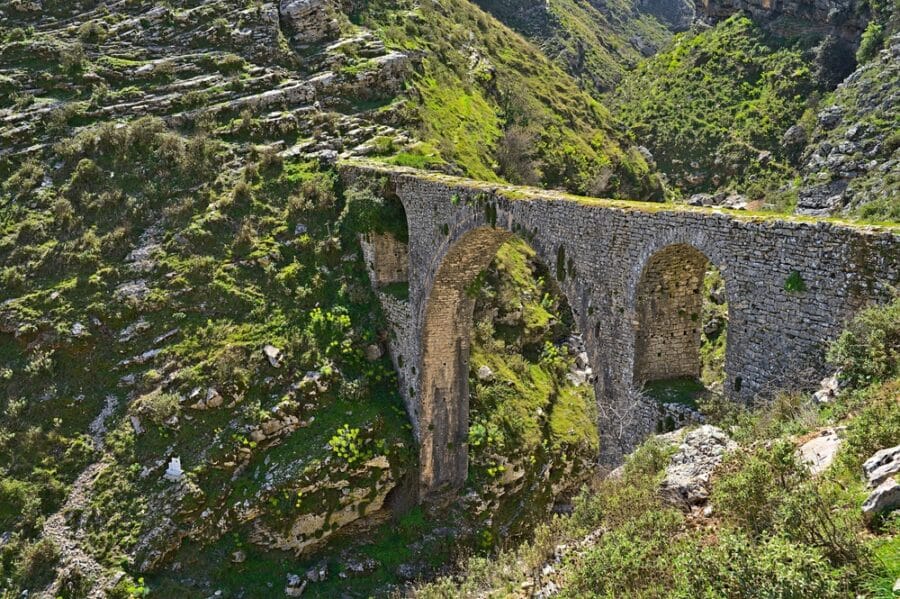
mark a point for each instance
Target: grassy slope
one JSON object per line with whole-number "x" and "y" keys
{"x": 591, "y": 44}
{"x": 529, "y": 417}
{"x": 228, "y": 275}
{"x": 714, "y": 107}
{"x": 479, "y": 79}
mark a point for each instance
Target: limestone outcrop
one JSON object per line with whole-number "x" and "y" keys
{"x": 687, "y": 481}
{"x": 309, "y": 21}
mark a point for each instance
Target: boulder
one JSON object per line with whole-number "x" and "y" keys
{"x": 690, "y": 468}
{"x": 818, "y": 453}
{"x": 885, "y": 498}
{"x": 881, "y": 465}
{"x": 273, "y": 355}
{"x": 309, "y": 21}
{"x": 213, "y": 399}
{"x": 484, "y": 374}
{"x": 828, "y": 389}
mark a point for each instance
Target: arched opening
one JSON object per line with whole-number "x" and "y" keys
{"x": 533, "y": 435}
{"x": 380, "y": 218}
{"x": 522, "y": 377}
{"x": 680, "y": 333}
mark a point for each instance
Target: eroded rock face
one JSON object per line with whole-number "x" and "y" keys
{"x": 689, "y": 470}
{"x": 311, "y": 528}
{"x": 882, "y": 464}
{"x": 309, "y": 21}
{"x": 845, "y": 18}
{"x": 885, "y": 498}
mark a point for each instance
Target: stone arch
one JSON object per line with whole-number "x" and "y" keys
{"x": 668, "y": 302}
{"x": 443, "y": 402}
{"x": 442, "y": 405}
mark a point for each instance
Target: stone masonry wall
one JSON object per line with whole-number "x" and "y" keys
{"x": 669, "y": 300}
{"x": 386, "y": 258}
{"x": 776, "y": 337}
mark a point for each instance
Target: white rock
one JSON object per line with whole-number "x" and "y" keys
{"x": 885, "y": 498}
{"x": 136, "y": 425}
{"x": 819, "y": 453}
{"x": 882, "y": 464}
{"x": 174, "y": 472}
{"x": 690, "y": 468}
{"x": 273, "y": 354}
{"x": 485, "y": 374}
{"x": 828, "y": 389}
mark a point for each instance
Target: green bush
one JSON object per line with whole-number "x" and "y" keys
{"x": 875, "y": 427}
{"x": 871, "y": 41}
{"x": 822, "y": 514}
{"x": 869, "y": 348}
{"x": 736, "y": 567}
{"x": 751, "y": 485}
{"x": 35, "y": 568}
{"x": 368, "y": 210}
{"x": 631, "y": 560}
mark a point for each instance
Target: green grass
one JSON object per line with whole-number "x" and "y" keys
{"x": 718, "y": 98}
{"x": 683, "y": 390}
{"x": 461, "y": 110}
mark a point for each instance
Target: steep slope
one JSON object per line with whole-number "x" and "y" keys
{"x": 714, "y": 108}
{"x": 852, "y": 161}
{"x": 491, "y": 105}
{"x": 595, "y": 42}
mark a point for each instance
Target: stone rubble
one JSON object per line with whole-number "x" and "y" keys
{"x": 687, "y": 479}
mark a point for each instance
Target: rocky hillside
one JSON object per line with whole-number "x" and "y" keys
{"x": 852, "y": 161}
{"x": 781, "y": 106}
{"x": 595, "y": 42}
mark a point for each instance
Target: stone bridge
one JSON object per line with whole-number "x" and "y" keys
{"x": 632, "y": 273}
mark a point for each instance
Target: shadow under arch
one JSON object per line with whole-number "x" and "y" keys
{"x": 668, "y": 324}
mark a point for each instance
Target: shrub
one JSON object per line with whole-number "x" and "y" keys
{"x": 515, "y": 156}
{"x": 821, "y": 515}
{"x": 230, "y": 63}
{"x": 736, "y": 567}
{"x": 346, "y": 444}
{"x": 35, "y": 567}
{"x": 157, "y": 406}
{"x": 368, "y": 210}
{"x": 630, "y": 560}
{"x": 875, "y": 427}
{"x": 752, "y": 485}
{"x": 794, "y": 283}
{"x": 869, "y": 348}
{"x": 92, "y": 32}
{"x": 872, "y": 40}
